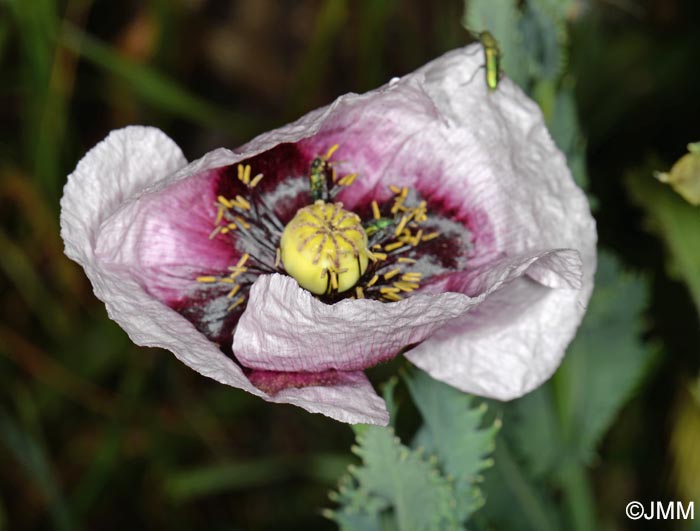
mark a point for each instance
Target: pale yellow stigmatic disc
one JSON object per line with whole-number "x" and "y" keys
{"x": 324, "y": 248}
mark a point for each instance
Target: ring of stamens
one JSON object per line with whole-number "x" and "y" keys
{"x": 393, "y": 243}
{"x": 256, "y": 225}
{"x": 373, "y": 257}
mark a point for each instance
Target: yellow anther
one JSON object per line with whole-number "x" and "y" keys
{"x": 330, "y": 151}
{"x": 219, "y": 216}
{"x": 256, "y": 180}
{"x": 378, "y": 256}
{"x": 392, "y": 297}
{"x": 321, "y": 242}
{"x": 226, "y": 280}
{"x": 391, "y": 274}
{"x": 394, "y": 188}
{"x": 406, "y": 286}
{"x": 243, "y": 202}
{"x": 404, "y": 192}
{"x": 207, "y": 279}
{"x": 387, "y": 289}
{"x": 242, "y": 260}
{"x": 359, "y": 293}
{"x": 224, "y": 230}
{"x": 416, "y": 239}
{"x": 236, "y": 303}
{"x": 430, "y": 236}
{"x": 232, "y": 293}
{"x": 225, "y": 202}
{"x": 375, "y": 210}
{"x": 393, "y": 246}
{"x": 401, "y": 225}
{"x": 231, "y": 226}
{"x": 398, "y": 205}
{"x": 233, "y": 275}
{"x": 348, "y": 179}
{"x": 411, "y": 276}
{"x": 244, "y": 173}
{"x": 404, "y": 260}
{"x": 372, "y": 281}
{"x": 420, "y": 214}
{"x": 243, "y": 223}
{"x": 278, "y": 258}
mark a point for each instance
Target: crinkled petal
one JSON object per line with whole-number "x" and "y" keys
{"x": 120, "y": 167}
{"x": 556, "y": 268}
{"x": 348, "y": 397}
{"x": 507, "y": 346}
{"x": 164, "y": 238}
{"x": 513, "y": 341}
{"x": 131, "y": 162}
{"x": 482, "y": 160}
{"x": 487, "y": 159}
{"x": 309, "y": 335}
{"x": 115, "y": 171}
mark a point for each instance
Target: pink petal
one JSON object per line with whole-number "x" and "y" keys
{"x": 486, "y": 159}
{"x": 163, "y": 237}
{"x": 114, "y": 172}
{"x": 140, "y": 160}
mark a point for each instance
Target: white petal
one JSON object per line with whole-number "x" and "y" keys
{"x": 120, "y": 167}
{"x": 114, "y": 172}
{"x": 508, "y": 346}
{"x": 285, "y": 328}
{"x": 353, "y": 401}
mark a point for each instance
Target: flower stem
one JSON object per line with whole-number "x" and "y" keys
{"x": 578, "y": 497}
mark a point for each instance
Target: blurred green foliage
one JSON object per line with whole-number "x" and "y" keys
{"x": 96, "y": 433}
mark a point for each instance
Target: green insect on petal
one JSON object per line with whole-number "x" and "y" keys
{"x": 376, "y": 225}
{"x": 492, "y": 57}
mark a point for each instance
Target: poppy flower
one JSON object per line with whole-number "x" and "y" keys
{"x": 428, "y": 218}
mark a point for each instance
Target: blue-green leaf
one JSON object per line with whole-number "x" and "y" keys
{"x": 514, "y": 501}
{"x": 393, "y": 481}
{"x": 452, "y": 429}
{"x": 607, "y": 359}
{"x": 564, "y": 420}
